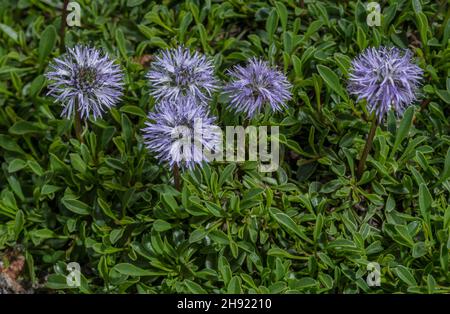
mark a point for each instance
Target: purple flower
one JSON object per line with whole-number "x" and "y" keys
{"x": 178, "y": 73}
{"x": 180, "y": 131}
{"x": 386, "y": 78}
{"x": 85, "y": 80}
{"x": 256, "y": 85}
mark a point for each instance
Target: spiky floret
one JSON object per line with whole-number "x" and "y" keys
{"x": 386, "y": 78}
{"x": 86, "y": 80}
{"x": 179, "y": 73}
{"x": 179, "y": 132}
{"x": 255, "y": 85}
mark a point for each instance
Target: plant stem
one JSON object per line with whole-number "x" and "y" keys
{"x": 176, "y": 177}
{"x": 78, "y": 128}
{"x": 62, "y": 30}
{"x": 367, "y": 147}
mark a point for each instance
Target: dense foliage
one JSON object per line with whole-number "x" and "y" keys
{"x": 311, "y": 226}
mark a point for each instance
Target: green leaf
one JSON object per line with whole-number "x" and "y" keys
{"x": 19, "y": 223}
{"x": 332, "y": 80}
{"x": 405, "y": 275}
{"x": 344, "y": 62}
{"x": 134, "y": 271}
{"x": 120, "y": 40}
{"x": 115, "y": 235}
{"x": 403, "y": 232}
{"x": 185, "y": 22}
{"x": 56, "y": 281}
{"x": 103, "y": 268}
{"x": 194, "y": 287}
{"x": 446, "y": 36}
{"x": 419, "y": 249}
{"x": 16, "y": 187}
{"x": 287, "y": 223}
{"x": 444, "y": 95}
{"x": 361, "y": 39}
{"x": 24, "y": 127}
{"x": 416, "y": 6}
{"x": 16, "y": 165}
{"x": 76, "y": 206}
{"x": 313, "y": 28}
{"x": 326, "y": 280}
{"x": 227, "y": 173}
{"x": 134, "y": 3}
{"x": 134, "y": 110}
{"x": 203, "y": 37}
{"x": 77, "y": 163}
{"x": 161, "y": 225}
{"x": 422, "y": 24}
{"x": 234, "y": 286}
{"x": 425, "y": 200}
{"x": 282, "y": 14}
{"x": 305, "y": 282}
{"x": 9, "y": 31}
{"x": 271, "y": 24}
{"x": 49, "y": 189}
{"x": 403, "y": 130}
{"x": 36, "y": 86}
{"x": 197, "y": 235}
{"x": 282, "y": 253}
{"x": 318, "y": 227}
{"x": 446, "y": 171}
{"x": 169, "y": 202}
{"x": 9, "y": 144}
{"x": 47, "y": 43}
{"x": 224, "y": 269}
{"x": 43, "y": 234}
{"x": 35, "y": 167}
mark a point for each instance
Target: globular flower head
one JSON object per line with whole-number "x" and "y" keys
{"x": 86, "y": 80}
{"x": 178, "y": 73}
{"x": 179, "y": 132}
{"x": 386, "y": 78}
{"x": 256, "y": 85}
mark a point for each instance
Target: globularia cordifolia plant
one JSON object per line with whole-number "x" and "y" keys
{"x": 386, "y": 78}
{"x": 255, "y": 85}
{"x": 86, "y": 82}
{"x": 179, "y": 73}
{"x": 178, "y": 132}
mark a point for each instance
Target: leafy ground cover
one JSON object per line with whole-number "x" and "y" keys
{"x": 311, "y": 226}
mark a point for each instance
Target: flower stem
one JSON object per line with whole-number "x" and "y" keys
{"x": 176, "y": 177}
{"x": 78, "y": 128}
{"x": 367, "y": 148}
{"x": 62, "y": 30}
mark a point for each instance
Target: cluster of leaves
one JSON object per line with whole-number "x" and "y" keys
{"x": 312, "y": 226}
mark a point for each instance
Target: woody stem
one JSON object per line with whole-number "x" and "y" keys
{"x": 367, "y": 148}
{"x": 62, "y": 30}
{"x": 176, "y": 177}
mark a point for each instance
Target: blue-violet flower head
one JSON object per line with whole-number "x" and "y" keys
{"x": 178, "y": 73}
{"x": 86, "y": 80}
{"x": 180, "y": 132}
{"x": 255, "y": 85}
{"x": 386, "y": 78}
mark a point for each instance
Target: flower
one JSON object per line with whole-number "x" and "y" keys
{"x": 256, "y": 85}
{"x": 178, "y": 73}
{"x": 85, "y": 80}
{"x": 386, "y": 78}
{"x": 180, "y": 133}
